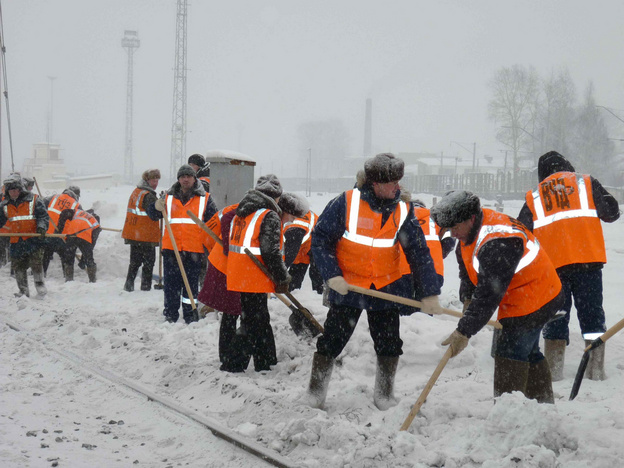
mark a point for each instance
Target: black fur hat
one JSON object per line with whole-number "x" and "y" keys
{"x": 269, "y": 185}
{"x": 383, "y": 168}
{"x": 293, "y": 204}
{"x": 197, "y": 159}
{"x": 552, "y": 162}
{"x": 455, "y": 207}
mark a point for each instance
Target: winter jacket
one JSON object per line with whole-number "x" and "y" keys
{"x": 187, "y": 234}
{"x": 243, "y": 274}
{"x": 570, "y": 229}
{"x": 30, "y": 206}
{"x": 330, "y": 229}
{"x": 501, "y": 266}
{"x": 298, "y": 239}
{"x": 139, "y": 227}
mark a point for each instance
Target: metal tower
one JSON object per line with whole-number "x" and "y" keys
{"x": 178, "y": 126}
{"x": 130, "y": 42}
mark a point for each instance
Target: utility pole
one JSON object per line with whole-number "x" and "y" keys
{"x": 50, "y": 114}
{"x": 309, "y": 174}
{"x": 130, "y": 42}
{"x": 178, "y": 125}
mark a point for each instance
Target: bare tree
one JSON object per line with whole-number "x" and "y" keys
{"x": 515, "y": 93}
{"x": 557, "y": 112}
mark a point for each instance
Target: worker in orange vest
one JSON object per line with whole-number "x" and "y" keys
{"x": 67, "y": 200}
{"x": 565, "y": 214}
{"x": 82, "y": 229}
{"x": 141, "y": 232}
{"x": 23, "y": 211}
{"x": 257, "y": 228}
{"x": 357, "y": 241}
{"x": 202, "y": 170}
{"x": 502, "y": 266}
{"x": 187, "y": 194}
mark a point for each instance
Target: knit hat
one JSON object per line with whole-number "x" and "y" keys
{"x": 197, "y": 159}
{"x": 455, "y": 207}
{"x": 151, "y": 174}
{"x": 269, "y": 185}
{"x": 293, "y": 204}
{"x": 552, "y": 162}
{"x": 185, "y": 169}
{"x": 383, "y": 168}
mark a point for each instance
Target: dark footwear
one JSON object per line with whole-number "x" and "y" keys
{"x": 383, "y": 395}
{"x": 539, "y": 382}
{"x": 510, "y": 376}
{"x": 322, "y": 367}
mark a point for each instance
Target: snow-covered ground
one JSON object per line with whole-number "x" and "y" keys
{"x": 53, "y": 412}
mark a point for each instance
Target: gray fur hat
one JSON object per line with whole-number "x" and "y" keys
{"x": 293, "y": 204}
{"x": 269, "y": 185}
{"x": 455, "y": 207}
{"x": 185, "y": 169}
{"x": 383, "y": 168}
{"x": 75, "y": 189}
{"x": 12, "y": 182}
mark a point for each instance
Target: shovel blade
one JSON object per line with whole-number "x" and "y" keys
{"x": 579, "y": 375}
{"x": 302, "y": 326}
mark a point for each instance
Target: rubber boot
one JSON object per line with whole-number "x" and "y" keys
{"x": 21, "y": 277}
{"x": 91, "y": 271}
{"x": 510, "y": 376}
{"x": 384, "y": 382}
{"x": 39, "y": 284}
{"x": 130, "y": 277}
{"x": 322, "y": 367}
{"x": 554, "y": 350}
{"x": 146, "y": 280}
{"x": 539, "y": 382}
{"x": 595, "y": 366}
{"x": 68, "y": 272}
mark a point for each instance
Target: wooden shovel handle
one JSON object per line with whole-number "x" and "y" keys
{"x": 609, "y": 333}
{"x": 202, "y": 225}
{"x": 423, "y": 396}
{"x": 409, "y": 302}
{"x": 180, "y": 264}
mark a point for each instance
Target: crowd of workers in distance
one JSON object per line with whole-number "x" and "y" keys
{"x": 373, "y": 237}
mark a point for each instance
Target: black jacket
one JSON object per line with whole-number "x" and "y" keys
{"x": 607, "y": 206}
{"x": 270, "y": 232}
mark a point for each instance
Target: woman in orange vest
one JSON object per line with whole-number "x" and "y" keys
{"x": 501, "y": 265}
{"x": 257, "y": 228}
{"x": 141, "y": 232}
{"x": 22, "y": 211}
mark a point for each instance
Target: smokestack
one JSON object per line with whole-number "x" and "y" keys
{"x": 368, "y": 129}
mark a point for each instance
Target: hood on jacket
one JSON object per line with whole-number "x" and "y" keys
{"x": 551, "y": 163}
{"x": 255, "y": 200}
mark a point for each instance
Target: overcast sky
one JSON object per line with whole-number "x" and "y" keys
{"x": 258, "y": 69}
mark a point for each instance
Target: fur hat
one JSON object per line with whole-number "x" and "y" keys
{"x": 185, "y": 169}
{"x": 12, "y": 182}
{"x": 151, "y": 174}
{"x": 73, "y": 191}
{"x": 28, "y": 182}
{"x": 455, "y": 207}
{"x": 552, "y": 162}
{"x": 197, "y": 159}
{"x": 293, "y": 204}
{"x": 269, "y": 185}
{"x": 383, "y": 168}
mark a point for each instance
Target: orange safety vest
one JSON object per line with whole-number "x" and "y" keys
{"x": 21, "y": 218}
{"x": 243, "y": 274}
{"x": 565, "y": 219}
{"x": 432, "y": 236}
{"x": 535, "y": 282}
{"x": 307, "y": 222}
{"x": 205, "y": 179}
{"x": 139, "y": 226}
{"x": 217, "y": 258}
{"x": 188, "y": 235}
{"x": 83, "y": 222}
{"x": 57, "y": 204}
{"x": 369, "y": 253}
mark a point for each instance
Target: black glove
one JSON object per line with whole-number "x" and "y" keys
{"x": 41, "y": 231}
{"x": 282, "y": 288}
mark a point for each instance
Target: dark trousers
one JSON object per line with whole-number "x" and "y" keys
{"x": 297, "y": 272}
{"x": 254, "y": 338}
{"x": 86, "y": 251}
{"x": 4, "y": 250}
{"x": 142, "y": 254}
{"x": 341, "y": 322}
{"x": 174, "y": 287}
{"x": 52, "y": 245}
{"x": 586, "y": 289}
{"x": 20, "y": 265}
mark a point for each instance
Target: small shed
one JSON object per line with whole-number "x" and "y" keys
{"x": 231, "y": 175}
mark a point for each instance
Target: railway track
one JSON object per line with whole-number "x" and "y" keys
{"x": 84, "y": 367}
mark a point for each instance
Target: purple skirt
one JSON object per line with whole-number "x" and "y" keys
{"x": 214, "y": 293}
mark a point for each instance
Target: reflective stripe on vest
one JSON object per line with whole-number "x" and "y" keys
{"x": 302, "y": 223}
{"x": 249, "y": 231}
{"x": 53, "y": 208}
{"x": 584, "y": 212}
{"x": 533, "y": 248}
{"x": 185, "y": 220}
{"x": 432, "y": 236}
{"x": 352, "y": 222}
{"x": 137, "y": 209}
{"x": 29, "y": 217}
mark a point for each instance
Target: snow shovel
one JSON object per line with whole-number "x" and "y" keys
{"x": 297, "y": 320}
{"x": 159, "y": 285}
{"x": 31, "y": 234}
{"x": 423, "y": 395}
{"x": 300, "y": 309}
{"x": 181, "y": 266}
{"x": 585, "y": 359}
{"x": 409, "y": 302}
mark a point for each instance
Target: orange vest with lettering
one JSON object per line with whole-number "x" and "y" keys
{"x": 21, "y": 218}
{"x": 189, "y": 237}
{"x": 565, "y": 219}
{"x": 535, "y": 282}
{"x": 82, "y": 223}
{"x": 243, "y": 274}
{"x": 139, "y": 226}
{"x": 57, "y": 204}
{"x": 369, "y": 253}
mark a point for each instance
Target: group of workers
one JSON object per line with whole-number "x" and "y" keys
{"x": 373, "y": 237}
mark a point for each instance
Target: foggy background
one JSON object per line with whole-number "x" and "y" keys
{"x": 259, "y": 70}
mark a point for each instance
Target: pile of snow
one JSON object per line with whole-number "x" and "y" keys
{"x": 54, "y": 414}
